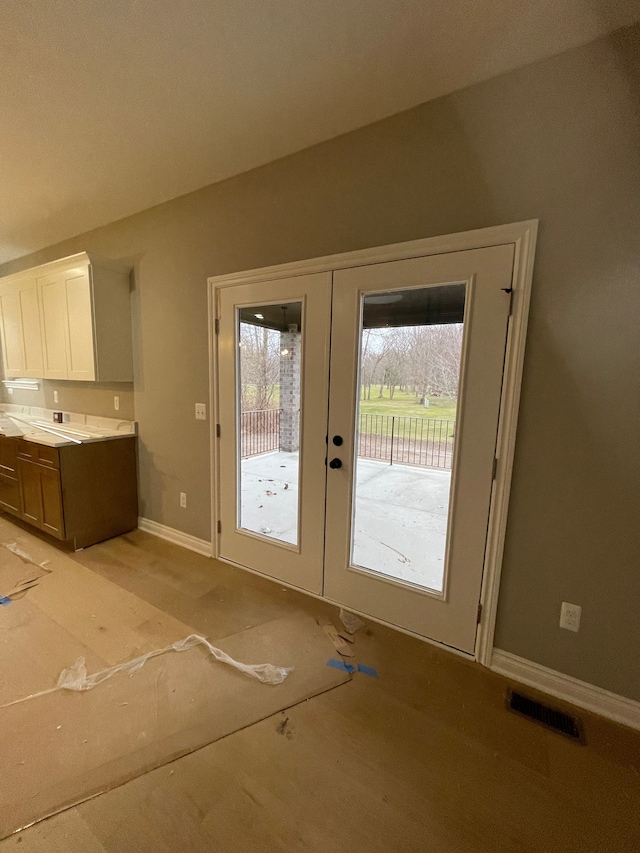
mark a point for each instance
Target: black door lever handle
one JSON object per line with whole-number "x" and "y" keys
{"x": 335, "y": 463}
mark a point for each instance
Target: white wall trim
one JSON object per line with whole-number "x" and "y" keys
{"x": 185, "y": 540}
{"x": 580, "y": 693}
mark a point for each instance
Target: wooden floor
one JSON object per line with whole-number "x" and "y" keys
{"x": 423, "y": 758}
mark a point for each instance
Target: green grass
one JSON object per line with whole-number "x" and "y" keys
{"x": 404, "y": 405}
{"x": 407, "y": 405}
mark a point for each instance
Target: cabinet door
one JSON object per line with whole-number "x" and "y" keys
{"x": 80, "y": 338}
{"x": 8, "y": 455}
{"x": 53, "y": 319}
{"x": 9, "y": 487}
{"x": 30, "y": 492}
{"x": 31, "y": 331}
{"x": 11, "y": 319}
{"x": 9, "y": 494}
{"x": 21, "y": 334}
{"x": 41, "y": 497}
{"x": 52, "y": 518}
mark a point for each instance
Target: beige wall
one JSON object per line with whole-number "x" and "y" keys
{"x": 558, "y": 141}
{"x": 87, "y": 398}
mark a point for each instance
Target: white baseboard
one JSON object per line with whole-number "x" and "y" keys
{"x": 580, "y": 693}
{"x": 185, "y": 540}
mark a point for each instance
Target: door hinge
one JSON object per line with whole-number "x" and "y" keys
{"x": 494, "y": 468}
{"x": 217, "y": 430}
{"x": 216, "y": 326}
{"x": 219, "y": 526}
{"x": 479, "y": 614}
{"x": 509, "y": 292}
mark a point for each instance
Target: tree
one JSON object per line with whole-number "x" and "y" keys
{"x": 259, "y": 366}
{"x": 375, "y": 346}
{"x": 424, "y": 358}
{"x": 396, "y": 360}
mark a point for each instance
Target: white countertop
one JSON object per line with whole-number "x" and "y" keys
{"x": 38, "y": 426}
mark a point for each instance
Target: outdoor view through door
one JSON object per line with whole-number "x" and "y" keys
{"x": 270, "y": 350}
{"x": 409, "y": 371}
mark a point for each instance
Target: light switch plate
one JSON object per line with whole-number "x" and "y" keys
{"x": 201, "y": 411}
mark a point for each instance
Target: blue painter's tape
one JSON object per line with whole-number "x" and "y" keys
{"x": 340, "y": 664}
{"x": 4, "y": 600}
{"x": 367, "y": 670}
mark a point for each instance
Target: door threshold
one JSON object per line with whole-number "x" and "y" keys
{"x": 361, "y": 613}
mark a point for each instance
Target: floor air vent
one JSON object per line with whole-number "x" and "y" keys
{"x": 551, "y": 718}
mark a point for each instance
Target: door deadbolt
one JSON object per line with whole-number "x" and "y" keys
{"x": 337, "y": 440}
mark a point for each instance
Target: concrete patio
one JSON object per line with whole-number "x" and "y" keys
{"x": 400, "y": 513}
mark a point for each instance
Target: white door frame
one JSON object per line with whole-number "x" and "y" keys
{"x": 523, "y": 235}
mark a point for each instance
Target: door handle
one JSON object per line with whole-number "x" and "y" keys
{"x": 335, "y": 463}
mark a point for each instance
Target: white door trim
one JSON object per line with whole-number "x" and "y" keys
{"x": 523, "y": 235}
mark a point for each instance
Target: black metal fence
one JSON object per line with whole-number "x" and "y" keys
{"x": 426, "y": 442}
{"x": 260, "y": 432}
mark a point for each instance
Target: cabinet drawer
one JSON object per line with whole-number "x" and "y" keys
{"x": 40, "y": 453}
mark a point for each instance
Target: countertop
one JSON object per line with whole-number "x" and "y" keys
{"x": 39, "y": 427}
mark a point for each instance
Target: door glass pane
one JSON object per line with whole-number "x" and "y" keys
{"x": 410, "y": 349}
{"x": 269, "y": 371}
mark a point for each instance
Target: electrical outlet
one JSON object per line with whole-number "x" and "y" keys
{"x": 570, "y": 616}
{"x": 55, "y": 396}
{"x": 183, "y": 500}
{"x": 116, "y": 403}
{"x": 201, "y": 411}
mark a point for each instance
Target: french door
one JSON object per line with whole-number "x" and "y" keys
{"x": 271, "y": 450}
{"x": 358, "y": 416}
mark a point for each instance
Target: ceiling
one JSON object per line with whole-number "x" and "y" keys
{"x": 108, "y": 107}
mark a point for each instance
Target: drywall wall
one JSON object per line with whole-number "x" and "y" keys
{"x": 558, "y": 141}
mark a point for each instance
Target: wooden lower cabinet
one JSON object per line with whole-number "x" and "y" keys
{"x": 31, "y": 503}
{"x": 9, "y": 494}
{"x": 52, "y": 506}
{"x": 81, "y": 493}
{"x": 41, "y": 497}
{"x": 9, "y": 485}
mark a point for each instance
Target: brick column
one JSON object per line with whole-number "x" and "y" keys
{"x": 290, "y": 391}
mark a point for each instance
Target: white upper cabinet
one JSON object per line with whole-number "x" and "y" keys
{"x": 20, "y": 328}
{"x": 12, "y": 345}
{"x": 31, "y": 332}
{"x": 53, "y": 311}
{"x": 70, "y": 319}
